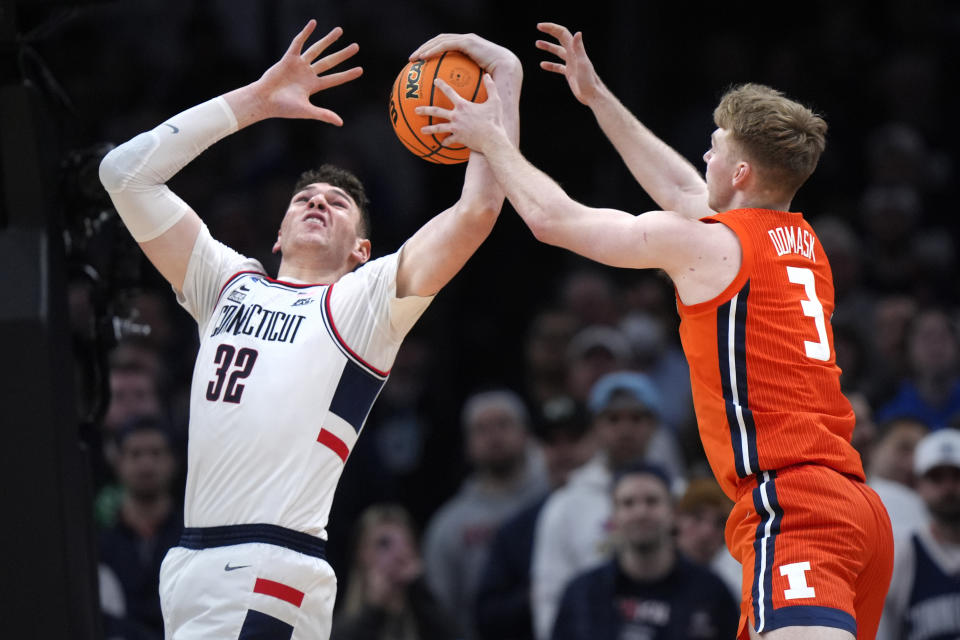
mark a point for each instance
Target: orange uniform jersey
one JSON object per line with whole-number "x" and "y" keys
{"x": 814, "y": 540}
{"x": 766, "y": 387}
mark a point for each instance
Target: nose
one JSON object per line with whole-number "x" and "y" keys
{"x": 706, "y": 156}
{"x": 317, "y": 201}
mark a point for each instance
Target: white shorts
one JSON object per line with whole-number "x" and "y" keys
{"x": 246, "y": 591}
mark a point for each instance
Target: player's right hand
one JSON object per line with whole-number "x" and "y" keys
{"x": 576, "y": 67}
{"x": 284, "y": 90}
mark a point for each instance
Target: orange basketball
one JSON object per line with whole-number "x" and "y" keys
{"x": 414, "y": 88}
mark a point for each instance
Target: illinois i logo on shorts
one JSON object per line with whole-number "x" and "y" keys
{"x": 796, "y": 574}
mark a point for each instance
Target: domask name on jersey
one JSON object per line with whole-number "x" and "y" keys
{"x": 259, "y": 322}
{"x": 793, "y": 240}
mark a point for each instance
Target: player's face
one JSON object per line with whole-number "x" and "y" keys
{"x": 721, "y": 167}
{"x": 320, "y": 216}
{"x": 642, "y": 511}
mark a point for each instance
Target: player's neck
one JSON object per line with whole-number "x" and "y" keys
{"x": 759, "y": 199}
{"x": 307, "y": 273}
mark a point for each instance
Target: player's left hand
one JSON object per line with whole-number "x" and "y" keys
{"x": 468, "y": 123}
{"x": 284, "y": 90}
{"x": 576, "y": 66}
{"x": 496, "y": 60}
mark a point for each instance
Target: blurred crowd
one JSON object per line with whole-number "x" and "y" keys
{"x": 532, "y": 468}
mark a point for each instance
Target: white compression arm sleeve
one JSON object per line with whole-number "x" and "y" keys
{"x": 135, "y": 173}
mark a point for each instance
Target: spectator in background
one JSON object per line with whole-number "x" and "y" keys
{"x": 890, "y": 474}
{"x": 889, "y": 215}
{"x": 590, "y": 295}
{"x": 134, "y": 392}
{"x": 508, "y": 474}
{"x": 924, "y": 596}
{"x": 545, "y": 351}
{"x": 387, "y": 597}
{"x": 503, "y": 598}
{"x": 888, "y": 349}
{"x": 654, "y": 354}
{"x": 593, "y": 352}
{"x": 865, "y": 433}
{"x": 701, "y": 521}
{"x": 573, "y": 530}
{"x": 647, "y": 590}
{"x": 931, "y": 393}
{"x": 134, "y": 395}
{"x": 148, "y": 523}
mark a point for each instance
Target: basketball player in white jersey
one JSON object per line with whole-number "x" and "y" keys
{"x": 288, "y": 368}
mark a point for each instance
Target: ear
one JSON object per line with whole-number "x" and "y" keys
{"x": 741, "y": 175}
{"x": 276, "y": 245}
{"x": 361, "y": 251}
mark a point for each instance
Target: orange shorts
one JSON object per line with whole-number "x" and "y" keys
{"x": 816, "y": 549}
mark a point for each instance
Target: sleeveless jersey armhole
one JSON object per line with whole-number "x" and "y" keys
{"x": 743, "y": 274}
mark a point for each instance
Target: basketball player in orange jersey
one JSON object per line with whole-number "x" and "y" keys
{"x": 755, "y": 295}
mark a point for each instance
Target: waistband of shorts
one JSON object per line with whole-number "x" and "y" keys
{"x": 208, "y": 537}
{"x": 746, "y": 485}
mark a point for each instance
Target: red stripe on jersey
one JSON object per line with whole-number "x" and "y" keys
{"x": 278, "y": 590}
{"x": 333, "y": 443}
{"x": 344, "y": 343}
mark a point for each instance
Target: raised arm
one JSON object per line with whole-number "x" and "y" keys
{"x": 439, "y": 249}
{"x": 668, "y": 178}
{"x": 135, "y": 173}
{"x": 699, "y": 257}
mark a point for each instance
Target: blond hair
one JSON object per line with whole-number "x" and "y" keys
{"x": 783, "y": 137}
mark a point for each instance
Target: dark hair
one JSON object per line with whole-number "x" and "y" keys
{"x": 337, "y": 177}
{"x": 642, "y": 468}
{"x": 558, "y": 416}
{"x": 139, "y": 424}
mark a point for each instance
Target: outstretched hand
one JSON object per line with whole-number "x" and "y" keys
{"x": 468, "y": 123}
{"x": 576, "y": 67}
{"x": 285, "y": 88}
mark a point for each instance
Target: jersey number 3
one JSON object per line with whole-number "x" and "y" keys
{"x": 811, "y": 307}
{"x": 242, "y": 367}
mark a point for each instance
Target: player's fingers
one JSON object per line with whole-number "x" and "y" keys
{"x": 320, "y": 45}
{"x": 488, "y": 82}
{"x": 328, "y": 62}
{"x": 448, "y": 91}
{"x": 435, "y": 112}
{"x": 550, "y": 47}
{"x": 577, "y": 43}
{"x": 555, "y": 67}
{"x": 438, "y": 127}
{"x": 328, "y": 116}
{"x": 559, "y": 32}
{"x": 296, "y": 45}
{"x": 433, "y": 46}
{"x": 335, "y": 79}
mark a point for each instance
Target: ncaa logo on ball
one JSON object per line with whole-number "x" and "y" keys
{"x": 413, "y": 80}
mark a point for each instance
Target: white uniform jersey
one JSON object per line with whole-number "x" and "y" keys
{"x": 285, "y": 377}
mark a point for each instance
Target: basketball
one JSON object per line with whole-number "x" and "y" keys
{"x": 414, "y": 88}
